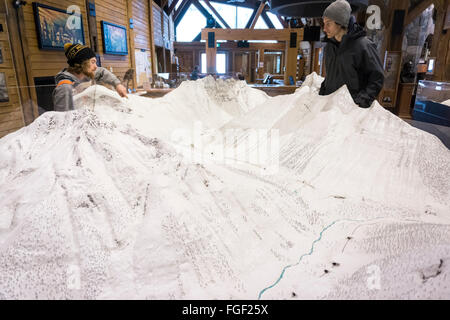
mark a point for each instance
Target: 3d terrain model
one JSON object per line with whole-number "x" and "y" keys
{"x": 218, "y": 191}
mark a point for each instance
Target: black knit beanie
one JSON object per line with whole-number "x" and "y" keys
{"x": 77, "y": 53}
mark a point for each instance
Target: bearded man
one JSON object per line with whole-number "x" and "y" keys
{"x": 82, "y": 68}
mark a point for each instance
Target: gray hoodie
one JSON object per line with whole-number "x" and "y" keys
{"x": 66, "y": 82}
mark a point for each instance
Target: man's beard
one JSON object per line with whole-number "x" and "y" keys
{"x": 88, "y": 73}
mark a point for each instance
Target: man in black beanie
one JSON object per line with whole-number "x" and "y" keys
{"x": 350, "y": 57}
{"x": 82, "y": 68}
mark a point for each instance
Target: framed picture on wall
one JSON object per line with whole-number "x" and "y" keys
{"x": 4, "y": 96}
{"x": 114, "y": 38}
{"x": 55, "y": 27}
{"x": 1, "y": 54}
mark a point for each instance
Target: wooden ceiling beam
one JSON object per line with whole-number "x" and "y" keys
{"x": 202, "y": 10}
{"x": 258, "y": 13}
{"x": 172, "y": 7}
{"x": 179, "y": 14}
{"x": 252, "y": 34}
{"x": 253, "y": 46}
{"x": 249, "y": 22}
{"x": 267, "y": 19}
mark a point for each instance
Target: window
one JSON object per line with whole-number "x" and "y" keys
{"x": 278, "y": 69}
{"x": 191, "y": 24}
{"x": 242, "y": 16}
{"x": 212, "y": 13}
{"x": 221, "y": 63}
{"x": 227, "y": 12}
{"x": 277, "y": 24}
{"x": 261, "y": 24}
{"x": 235, "y": 16}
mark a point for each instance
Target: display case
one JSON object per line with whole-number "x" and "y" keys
{"x": 433, "y": 102}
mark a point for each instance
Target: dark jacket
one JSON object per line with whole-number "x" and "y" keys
{"x": 354, "y": 62}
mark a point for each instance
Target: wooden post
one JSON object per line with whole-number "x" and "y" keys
{"x": 253, "y": 62}
{"x": 164, "y": 62}
{"x": 131, "y": 41}
{"x": 406, "y": 90}
{"x": 440, "y": 17}
{"x": 211, "y": 56}
{"x": 11, "y": 111}
{"x": 316, "y": 68}
{"x": 291, "y": 60}
{"x": 152, "y": 38}
{"x": 261, "y": 66}
{"x": 20, "y": 53}
{"x": 92, "y": 27}
{"x": 233, "y": 69}
{"x": 441, "y": 43}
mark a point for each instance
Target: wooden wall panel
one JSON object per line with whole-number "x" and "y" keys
{"x": 185, "y": 60}
{"x": 11, "y": 116}
{"x": 166, "y": 31}
{"x": 48, "y": 62}
{"x": 172, "y": 31}
{"x": 157, "y": 34}
{"x": 140, "y": 12}
{"x": 114, "y": 11}
{"x": 44, "y": 63}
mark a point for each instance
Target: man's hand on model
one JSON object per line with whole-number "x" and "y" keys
{"x": 121, "y": 90}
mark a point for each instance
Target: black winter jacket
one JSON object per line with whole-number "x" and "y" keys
{"x": 353, "y": 62}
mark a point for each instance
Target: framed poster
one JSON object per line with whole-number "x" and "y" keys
{"x": 143, "y": 67}
{"x": 55, "y": 27}
{"x": 114, "y": 38}
{"x": 4, "y": 96}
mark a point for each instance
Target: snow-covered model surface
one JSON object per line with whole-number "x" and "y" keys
{"x": 115, "y": 200}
